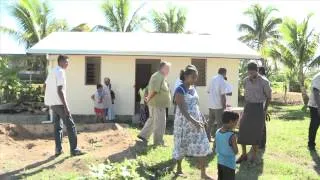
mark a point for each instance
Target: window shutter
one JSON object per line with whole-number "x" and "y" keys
{"x": 93, "y": 70}
{"x": 201, "y": 65}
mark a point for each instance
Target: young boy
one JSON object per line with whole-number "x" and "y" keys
{"x": 226, "y": 146}
{"x": 98, "y": 98}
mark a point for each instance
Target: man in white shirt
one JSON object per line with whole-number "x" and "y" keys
{"x": 217, "y": 101}
{"x": 314, "y": 105}
{"x": 55, "y": 97}
{"x": 228, "y": 92}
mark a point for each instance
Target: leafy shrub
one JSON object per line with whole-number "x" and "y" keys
{"x": 126, "y": 170}
{"x": 9, "y": 82}
{"x": 278, "y": 76}
{"x": 12, "y": 89}
{"x": 31, "y": 94}
{"x": 277, "y": 86}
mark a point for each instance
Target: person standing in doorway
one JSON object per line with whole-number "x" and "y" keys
{"x": 262, "y": 72}
{"x": 257, "y": 91}
{"x": 107, "y": 95}
{"x": 314, "y": 105}
{"x": 217, "y": 101}
{"x": 55, "y": 97}
{"x": 144, "y": 115}
{"x": 158, "y": 100}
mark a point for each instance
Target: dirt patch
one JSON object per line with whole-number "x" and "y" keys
{"x": 293, "y": 98}
{"x": 20, "y": 156}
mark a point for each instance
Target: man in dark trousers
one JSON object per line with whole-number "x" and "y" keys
{"x": 55, "y": 97}
{"x": 314, "y": 105}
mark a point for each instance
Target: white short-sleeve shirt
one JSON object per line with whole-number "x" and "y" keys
{"x": 314, "y": 84}
{"x": 99, "y": 100}
{"x": 217, "y": 87}
{"x": 55, "y": 78}
{"x": 228, "y": 90}
{"x": 228, "y": 87}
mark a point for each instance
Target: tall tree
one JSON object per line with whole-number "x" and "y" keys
{"x": 297, "y": 50}
{"x": 117, "y": 14}
{"x": 171, "y": 21}
{"x": 84, "y": 27}
{"x": 35, "y": 21}
{"x": 262, "y": 30}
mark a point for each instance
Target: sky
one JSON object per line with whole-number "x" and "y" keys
{"x": 207, "y": 16}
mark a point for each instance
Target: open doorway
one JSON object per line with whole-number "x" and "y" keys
{"x": 144, "y": 69}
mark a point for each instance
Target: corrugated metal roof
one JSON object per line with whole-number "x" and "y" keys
{"x": 142, "y": 44}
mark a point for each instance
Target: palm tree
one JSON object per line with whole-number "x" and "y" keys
{"x": 34, "y": 19}
{"x": 172, "y": 21}
{"x": 117, "y": 14}
{"x": 297, "y": 50}
{"x": 84, "y": 27}
{"x": 263, "y": 28}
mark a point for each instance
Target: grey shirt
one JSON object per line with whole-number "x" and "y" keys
{"x": 256, "y": 90}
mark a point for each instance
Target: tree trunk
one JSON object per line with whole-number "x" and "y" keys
{"x": 285, "y": 87}
{"x": 44, "y": 67}
{"x": 304, "y": 94}
{"x": 275, "y": 65}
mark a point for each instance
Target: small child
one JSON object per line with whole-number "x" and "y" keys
{"x": 98, "y": 99}
{"x": 226, "y": 146}
{"x": 144, "y": 113}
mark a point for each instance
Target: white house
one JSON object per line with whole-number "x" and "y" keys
{"x": 129, "y": 59}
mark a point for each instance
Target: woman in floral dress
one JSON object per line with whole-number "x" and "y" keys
{"x": 190, "y": 138}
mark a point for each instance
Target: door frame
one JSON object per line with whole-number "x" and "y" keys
{"x": 152, "y": 62}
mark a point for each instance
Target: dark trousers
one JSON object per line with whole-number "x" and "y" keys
{"x": 226, "y": 173}
{"x": 314, "y": 125}
{"x": 59, "y": 118}
{"x": 167, "y": 113}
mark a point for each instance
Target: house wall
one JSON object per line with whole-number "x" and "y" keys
{"x": 121, "y": 70}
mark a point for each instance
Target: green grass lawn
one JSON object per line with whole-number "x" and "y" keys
{"x": 286, "y": 155}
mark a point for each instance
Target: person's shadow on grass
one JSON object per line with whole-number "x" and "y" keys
{"x": 32, "y": 168}
{"x": 316, "y": 158}
{"x": 249, "y": 170}
{"x": 194, "y": 162}
{"x": 139, "y": 148}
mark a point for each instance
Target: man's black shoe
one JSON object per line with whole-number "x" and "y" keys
{"x": 58, "y": 153}
{"x": 77, "y": 153}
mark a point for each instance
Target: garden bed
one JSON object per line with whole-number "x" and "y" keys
{"x": 22, "y": 154}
